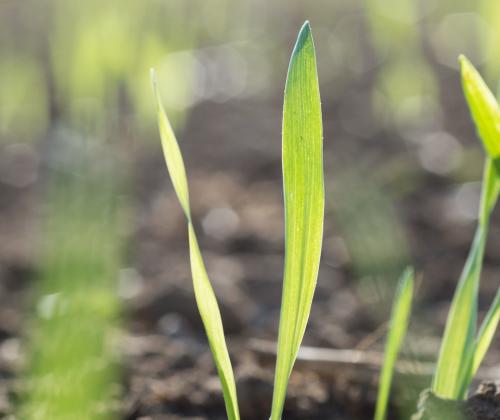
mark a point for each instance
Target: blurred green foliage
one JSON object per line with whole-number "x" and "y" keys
{"x": 72, "y": 370}
{"x": 87, "y": 62}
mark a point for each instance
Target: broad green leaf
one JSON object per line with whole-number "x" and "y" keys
{"x": 304, "y": 206}
{"x": 397, "y": 330}
{"x": 204, "y": 294}
{"x": 486, "y": 332}
{"x": 455, "y": 363}
{"x": 483, "y": 107}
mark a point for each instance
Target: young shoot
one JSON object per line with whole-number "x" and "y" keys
{"x": 304, "y": 208}
{"x": 462, "y": 348}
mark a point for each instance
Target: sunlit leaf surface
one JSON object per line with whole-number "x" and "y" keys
{"x": 397, "y": 330}
{"x": 205, "y": 297}
{"x": 304, "y": 206}
{"x": 483, "y": 107}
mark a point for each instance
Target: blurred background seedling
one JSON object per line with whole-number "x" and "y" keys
{"x": 72, "y": 367}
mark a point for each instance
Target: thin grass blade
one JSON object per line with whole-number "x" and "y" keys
{"x": 304, "y": 206}
{"x": 477, "y": 352}
{"x": 204, "y": 294}
{"x": 454, "y": 367}
{"x": 486, "y": 332}
{"x": 397, "y": 331}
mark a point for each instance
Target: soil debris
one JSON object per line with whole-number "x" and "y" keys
{"x": 483, "y": 405}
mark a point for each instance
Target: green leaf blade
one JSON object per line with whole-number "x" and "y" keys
{"x": 204, "y": 294}
{"x": 172, "y": 152}
{"x": 460, "y": 327}
{"x": 486, "y": 332}
{"x": 304, "y": 206}
{"x": 483, "y": 107}
{"x": 397, "y": 331}
{"x": 477, "y": 351}
{"x": 212, "y": 321}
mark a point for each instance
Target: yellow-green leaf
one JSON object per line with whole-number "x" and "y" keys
{"x": 486, "y": 332}
{"x": 458, "y": 338}
{"x": 172, "y": 153}
{"x": 397, "y": 331}
{"x": 204, "y": 294}
{"x": 483, "y": 107}
{"x": 302, "y": 147}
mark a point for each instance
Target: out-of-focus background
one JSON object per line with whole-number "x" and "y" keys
{"x": 97, "y": 315}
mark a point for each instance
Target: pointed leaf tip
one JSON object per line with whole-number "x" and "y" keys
{"x": 154, "y": 86}
{"x": 302, "y": 38}
{"x": 465, "y": 67}
{"x": 152, "y": 77}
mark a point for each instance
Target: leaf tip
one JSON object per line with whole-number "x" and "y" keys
{"x": 305, "y": 31}
{"x": 465, "y": 66}
{"x": 152, "y": 77}
{"x": 409, "y": 272}
{"x": 154, "y": 85}
{"x": 303, "y": 37}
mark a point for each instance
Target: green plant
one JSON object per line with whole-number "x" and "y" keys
{"x": 304, "y": 207}
{"x": 205, "y": 296}
{"x": 302, "y": 154}
{"x": 462, "y": 349}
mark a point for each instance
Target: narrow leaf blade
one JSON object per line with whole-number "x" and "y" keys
{"x": 483, "y": 107}
{"x": 172, "y": 152}
{"x": 304, "y": 206}
{"x": 486, "y": 332}
{"x": 459, "y": 332}
{"x": 204, "y": 294}
{"x": 491, "y": 191}
{"x": 489, "y": 198}
{"x": 210, "y": 314}
{"x": 397, "y": 331}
